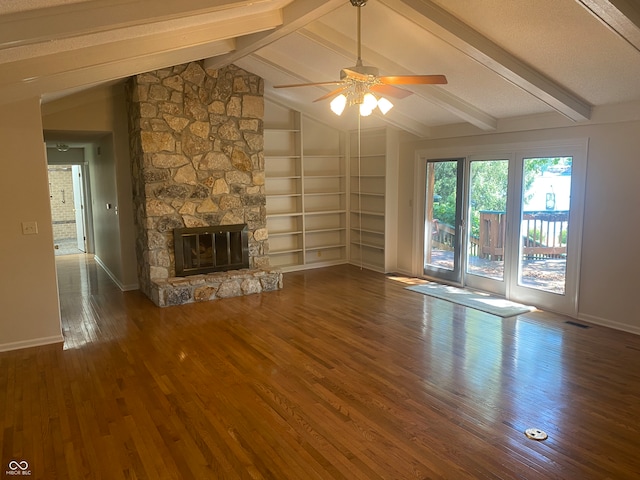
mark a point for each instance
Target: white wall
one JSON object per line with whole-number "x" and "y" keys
{"x": 28, "y": 286}
{"x": 104, "y": 204}
{"x": 608, "y": 281}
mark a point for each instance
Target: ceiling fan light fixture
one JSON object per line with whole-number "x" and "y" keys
{"x": 359, "y": 81}
{"x": 369, "y": 101}
{"x": 338, "y": 104}
{"x": 384, "y": 105}
{"x": 365, "y": 111}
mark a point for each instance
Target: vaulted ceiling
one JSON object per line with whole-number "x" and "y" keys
{"x": 503, "y": 59}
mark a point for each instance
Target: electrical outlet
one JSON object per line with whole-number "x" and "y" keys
{"x": 29, "y": 228}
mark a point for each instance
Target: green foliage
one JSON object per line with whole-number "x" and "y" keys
{"x": 488, "y": 187}
{"x": 444, "y": 210}
{"x": 536, "y": 236}
{"x": 562, "y": 238}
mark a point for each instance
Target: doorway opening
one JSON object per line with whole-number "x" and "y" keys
{"x": 68, "y": 208}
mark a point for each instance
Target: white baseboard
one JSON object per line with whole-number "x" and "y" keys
{"x": 406, "y": 273}
{"x": 124, "y": 288}
{"x": 128, "y": 288}
{"x": 33, "y": 342}
{"x": 603, "y": 322}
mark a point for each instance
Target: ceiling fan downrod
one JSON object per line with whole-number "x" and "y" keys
{"x": 359, "y": 4}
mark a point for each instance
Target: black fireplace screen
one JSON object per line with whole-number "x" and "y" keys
{"x": 211, "y": 249}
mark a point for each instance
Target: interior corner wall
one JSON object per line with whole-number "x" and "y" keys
{"x": 103, "y": 111}
{"x": 106, "y": 227}
{"x": 608, "y": 281}
{"x": 28, "y": 285}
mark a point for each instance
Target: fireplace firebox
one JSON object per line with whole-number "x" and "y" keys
{"x": 211, "y": 249}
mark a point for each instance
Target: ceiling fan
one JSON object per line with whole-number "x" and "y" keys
{"x": 357, "y": 83}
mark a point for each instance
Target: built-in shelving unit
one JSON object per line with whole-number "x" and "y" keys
{"x": 373, "y": 193}
{"x": 306, "y": 189}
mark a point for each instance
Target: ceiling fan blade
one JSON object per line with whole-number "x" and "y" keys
{"x": 331, "y": 94}
{"x": 414, "y": 79}
{"x": 390, "y": 91}
{"x": 315, "y": 84}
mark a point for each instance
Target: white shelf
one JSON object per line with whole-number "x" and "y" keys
{"x": 283, "y": 234}
{"x": 321, "y": 230}
{"x": 284, "y": 195}
{"x": 368, "y": 245}
{"x": 373, "y": 198}
{"x": 369, "y": 194}
{"x": 318, "y": 194}
{"x": 365, "y": 212}
{"x": 311, "y": 177}
{"x": 281, "y": 252}
{"x": 325, "y": 247}
{"x": 355, "y": 155}
{"x": 306, "y": 187}
{"x": 284, "y": 214}
{"x": 356, "y": 229}
{"x": 324, "y": 212}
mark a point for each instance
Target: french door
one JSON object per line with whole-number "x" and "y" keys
{"x": 506, "y": 224}
{"x": 444, "y": 223}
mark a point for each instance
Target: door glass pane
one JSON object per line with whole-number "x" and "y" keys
{"x": 441, "y": 214}
{"x": 487, "y": 217}
{"x": 544, "y": 223}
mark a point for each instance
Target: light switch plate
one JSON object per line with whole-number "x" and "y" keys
{"x": 29, "y": 228}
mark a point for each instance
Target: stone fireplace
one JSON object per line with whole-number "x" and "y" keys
{"x": 197, "y": 162}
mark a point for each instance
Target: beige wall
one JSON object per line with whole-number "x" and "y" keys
{"x": 102, "y": 113}
{"x": 28, "y": 286}
{"x": 608, "y": 282}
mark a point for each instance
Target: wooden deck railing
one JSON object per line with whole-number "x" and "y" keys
{"x": 444, "y": 237}
{"x": 543, "y": 233}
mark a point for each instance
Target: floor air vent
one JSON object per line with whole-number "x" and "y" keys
{"x": 576, "y": 324}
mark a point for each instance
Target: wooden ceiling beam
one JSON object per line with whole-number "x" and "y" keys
{"x": 458, "y": 34}
{"x": 76, "y": 19}
{"x": 621, "y": 16}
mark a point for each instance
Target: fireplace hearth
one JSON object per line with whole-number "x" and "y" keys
{"x": 211, "y": 249}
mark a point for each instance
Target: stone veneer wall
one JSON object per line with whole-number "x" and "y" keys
{"x": 197, "y": 160}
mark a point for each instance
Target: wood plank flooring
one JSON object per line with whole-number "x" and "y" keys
{"x": 343, "y": 374}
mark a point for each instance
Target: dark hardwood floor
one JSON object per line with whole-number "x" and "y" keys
{"x": 343, "y": 374}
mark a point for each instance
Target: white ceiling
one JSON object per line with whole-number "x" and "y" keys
{"x": 502, "y": 58}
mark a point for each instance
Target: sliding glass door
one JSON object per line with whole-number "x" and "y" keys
{"x": 443, "y": 224}
{"x": 486, "y": 242}
{"x": 549, "y": 227}
{"x": 507, "y": 225}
